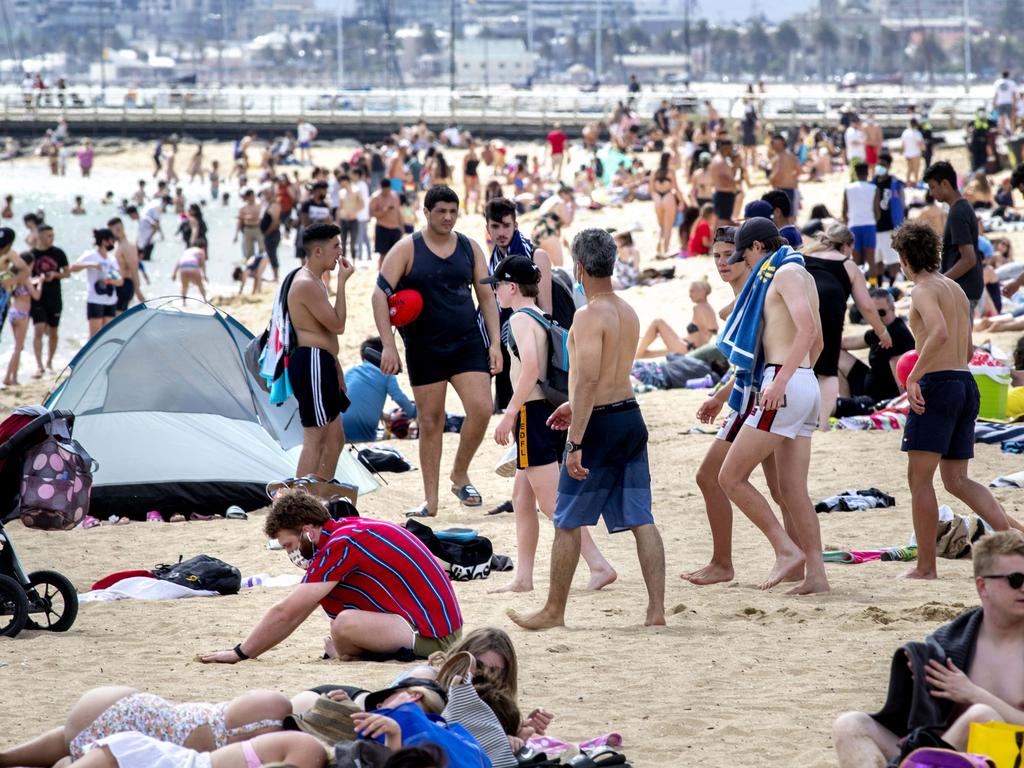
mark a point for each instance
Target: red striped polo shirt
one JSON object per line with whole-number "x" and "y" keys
{"x": 381, "y": 567}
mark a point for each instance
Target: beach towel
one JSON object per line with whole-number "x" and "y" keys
{"x": 890, "y": 418}
{"x": 552, "y": 746}
{"x": 281, "y": 340}
{"x": 740, "y": 339}
{"x": 143, "y": 588}
{"x": 855, "y": 557}
{"x": 990, "y": 432}
{"x": 1016, "y": 480}
{"x": 848, "y": 501}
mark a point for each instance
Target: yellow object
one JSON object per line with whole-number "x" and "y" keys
{"x": 993, "y": 385}
{"x": 1002, "y": 742}
{"x": 1015, "y": 402}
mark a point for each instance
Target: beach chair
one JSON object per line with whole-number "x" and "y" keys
{"x": 39, "y": 600}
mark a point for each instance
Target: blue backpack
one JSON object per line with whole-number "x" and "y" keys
{"x": 556, "y": 384}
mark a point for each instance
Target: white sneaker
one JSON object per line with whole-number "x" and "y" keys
{"x": 506, "y": 466}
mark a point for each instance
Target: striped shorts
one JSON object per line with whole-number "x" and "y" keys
{"x": 313, "y": 373}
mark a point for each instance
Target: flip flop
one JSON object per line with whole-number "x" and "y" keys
{"x": 598, "y": 757}
{"x": 420, "y": 511}
{"x": 468, "y": 495}
{"x": 89, "y": 522}
{"x": 505, "y": 506}
{"x": 154, "y": 517}
{"x": 236, "y": 514}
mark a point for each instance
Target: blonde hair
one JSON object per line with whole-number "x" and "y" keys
{"x": 832, "y": 239}
{"x": 985, "y": 551}
{"x": 480, "y": 641}
{"x": 703, "y": 285}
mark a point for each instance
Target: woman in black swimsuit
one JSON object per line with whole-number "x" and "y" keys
{"x": 471, "y": 179}
{"x": 666, "y": 197}
{"x": 836, "y": 277}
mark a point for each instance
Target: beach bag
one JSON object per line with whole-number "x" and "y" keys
{"x": 918, "y": 740}
{"x": 379, "y": 458}
{"x": 467, "y": 559}
{"x": 1002, "y": 742}
{"x": 202, "y": 572}
{"x": 555, "y": 385}
{"x": 563, "y": 305}
{"x": 930, "y": 757}
{"x": 56, "y": 483}
{"x": 360, "y": 754}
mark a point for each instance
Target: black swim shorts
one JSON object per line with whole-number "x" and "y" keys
{"x": 723, "y": 202}
{"x": 537, "y": 444}
{"x": 385, "y": 238}
{"x": 125, "y": 292}
{"x": 429, "y": 366}
{"x": 313, "y": 373}
{"x": 46, "y": 312}
{"x": 98, "y": 311}
{"x": 951, "y": 403}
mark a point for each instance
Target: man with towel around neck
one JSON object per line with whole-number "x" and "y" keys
{"x": 773, "y": 337}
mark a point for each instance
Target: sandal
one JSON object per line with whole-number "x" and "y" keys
{"x": 468, "y": 495}
{"x": 420, "y": 511}
{"x": 457, "y": 670}
{"x": 154, "y": 517}
{"x": 89, "y": 522}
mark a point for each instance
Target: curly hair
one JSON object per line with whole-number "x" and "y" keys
{"x": 292, "y": 509}
{"x": 918, "y": 245}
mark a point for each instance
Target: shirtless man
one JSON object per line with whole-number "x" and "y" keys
{"x": 701, "y": 182}
{"x": 350, "y": 203}
{"x": 398, "y": 167}
{"x": 248, "y": 225}
{"x": 944, "y": 399}
{"x": 127, "y": 256}
{"x": 785, "y": 413}
{"x": 988, "y": 686}
{"x": 315, "y": 373}
{"x": 873, "y": 140}
{"x": 785, "y": 172}
{"x": 723, "y": 178}
{"x": 605, "y": 472}
{"x": 386, "y": 208}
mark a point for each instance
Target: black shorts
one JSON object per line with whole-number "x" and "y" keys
{"x": 857, "y": 379}
{"x": 125, "y": 292}
{"x": 147, "y": 252}
{"x": 951, "y": 403}
{"x": 429, "y": 366}
{"x": 313, "y": 373}
{"x": 723, "y": 202}
{"x": 537, "y": 444}
{"x": 46, "y": 312}
{"x": 384, "y": 238}
{"x": 98, "y": 311}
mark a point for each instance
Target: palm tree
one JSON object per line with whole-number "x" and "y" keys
{"x": 786, "y": 42}
{"x": 827, "y": 40}
{"x": 758, "y": 47}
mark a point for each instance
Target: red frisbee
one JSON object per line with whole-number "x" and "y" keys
{"x": 404, "y": 307}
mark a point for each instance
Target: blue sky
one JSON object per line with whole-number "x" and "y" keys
{"x": 736, "y": 10}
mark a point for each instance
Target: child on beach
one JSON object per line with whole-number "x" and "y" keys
{"x": 699, "y": 243}
{"x": 16, "y": 278}
{"x": 539, "y": 448}
{"x": 214, "y": 180}
{"x": 627, "y": 262}
{"x": 191, "y": 267}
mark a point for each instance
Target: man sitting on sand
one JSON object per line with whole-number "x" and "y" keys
{"x": 605, "y": 472}
{"x": 944, "y": 399}
{"x": 968, "y": 671}
{"x": 381, "y": 587}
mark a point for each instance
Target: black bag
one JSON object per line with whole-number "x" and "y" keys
{"x": 555, "y": 385}
{"x": 563, "y": 304}
{"x": 383, "y": 459}
{"x": 202, "y": 572}
{"x": 467, "y": 559}
{"x": 341, "y": 507}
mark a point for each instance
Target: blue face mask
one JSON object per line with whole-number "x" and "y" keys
{"x": 881, "y": 170}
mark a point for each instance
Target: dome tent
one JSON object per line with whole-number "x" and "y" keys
{"x": 164, "y": 403}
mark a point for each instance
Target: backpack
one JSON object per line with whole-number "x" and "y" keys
{"x": 56, "y": 484}
{"x": 563, "y": 303}
{"x": 929, "y": 757}
{"x": 468, "y": 559}
{"x": 202, "y": 572}
{"x": 556, "y": 384}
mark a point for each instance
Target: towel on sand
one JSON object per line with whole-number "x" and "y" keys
{"x": 848, "y": 501}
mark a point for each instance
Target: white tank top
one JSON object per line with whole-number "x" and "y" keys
{"x": 860, "y": 204}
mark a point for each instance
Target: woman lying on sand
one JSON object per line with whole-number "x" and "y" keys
{"x": 134, "y": 750}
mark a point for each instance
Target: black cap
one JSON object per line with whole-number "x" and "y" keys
{"x": 725, "y": 235}
{"x": 757, "y": 228}
{"x": 375, "y": 699}
{"x": 517, "y": 269}
{"x": 319, "y": 185}
{"x": 6, "y": 237}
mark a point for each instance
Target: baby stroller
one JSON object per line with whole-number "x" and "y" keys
{"x": 44, "y": 600}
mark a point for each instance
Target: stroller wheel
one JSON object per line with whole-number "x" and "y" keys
{"x": 13, "y": 607}
{"x": 53, "y": 601}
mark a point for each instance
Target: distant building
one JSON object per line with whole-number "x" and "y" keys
{"x": 479, "y": 61}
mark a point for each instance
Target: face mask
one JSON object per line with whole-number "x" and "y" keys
{"x": 881, "y": 170}
{"x": 301, "y": 555}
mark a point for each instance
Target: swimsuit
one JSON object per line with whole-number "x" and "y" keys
{"x": 947, "y": 425}
{"x": 834, "y": 288}
{"x": 313, "y": 373}
{"x": 156, "y": 717}
{"x": 798, "y": 416}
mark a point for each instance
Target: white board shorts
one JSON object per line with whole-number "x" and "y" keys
{"x": 884, "y": 252}
{"x": 798, "y": 417}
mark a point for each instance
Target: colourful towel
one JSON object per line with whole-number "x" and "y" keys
{"x": 855, "y": 557}
{"x": 740, "y": 340}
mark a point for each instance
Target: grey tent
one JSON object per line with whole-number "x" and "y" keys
{"x": 164, "y": 403}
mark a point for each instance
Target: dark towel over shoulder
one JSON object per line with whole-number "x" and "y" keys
{"x": 908, "y": 704}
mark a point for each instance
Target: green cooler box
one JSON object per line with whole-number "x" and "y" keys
{"x": 993, "y": 385}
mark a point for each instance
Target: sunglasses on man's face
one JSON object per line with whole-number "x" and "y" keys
{"x": 883, "y": 313}
{"x": 1015, "y": 580}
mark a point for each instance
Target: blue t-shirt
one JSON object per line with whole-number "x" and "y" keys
{"x": 792, "y": 235}
{"x": 368, "y": 388}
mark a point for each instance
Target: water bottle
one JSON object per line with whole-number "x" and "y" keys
{"x": 702, "y": 383}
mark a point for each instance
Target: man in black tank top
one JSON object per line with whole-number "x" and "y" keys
{"x": 445, "y": 343}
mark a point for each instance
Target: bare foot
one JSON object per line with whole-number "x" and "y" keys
{"x": 712, "y": 573}
{"x": 542, "y": 619}
{"x": 811, "y": 586}
{"x": 795, "y": 574}
{"x": 655, "y": 617}
{"x": 329, "y": 651}
{"x": 38, "y": 374}
{"x": 513, "y": 586}
{"x": 784, "y": 563}
{"x": 601, "y": 579}
{"x": 916, "y": 573}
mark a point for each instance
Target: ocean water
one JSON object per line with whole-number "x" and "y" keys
{"x": 34, "y": 188}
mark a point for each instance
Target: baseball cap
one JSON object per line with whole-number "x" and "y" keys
{"x": 6, "y": 237}
{"x": 514, "y": 269}
{"x": 758, "y": 208}
{"x": 434, "y": 696}
{"x": 757, "y": 228}
{"x": 725, "y": 235}
{"x": 319, "y": 185}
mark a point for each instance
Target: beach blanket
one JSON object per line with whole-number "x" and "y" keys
{"x": 989, "y": 432}
{"x": 848, "y": 501}
{"x": 281, "y": 340}
{"x": 909, "y": 704}
{"x": 892, "y": 417}
{"x": 740, "y": 339}
{"x": 1016, "y": 480}
{"x": 552, "y": 746}
{"x": 149, "y": 588}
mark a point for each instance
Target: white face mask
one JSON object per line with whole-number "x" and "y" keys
{"x": 298, "y": 556}
{"x": 298, "y": 560}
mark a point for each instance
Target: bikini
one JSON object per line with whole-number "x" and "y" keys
{"x": 153, "y": 716}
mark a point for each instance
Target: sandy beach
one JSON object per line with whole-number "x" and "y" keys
{"x": 738, "y": 677}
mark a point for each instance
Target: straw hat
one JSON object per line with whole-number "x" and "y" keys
{"x": 330, "y": 721}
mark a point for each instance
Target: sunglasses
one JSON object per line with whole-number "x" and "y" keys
{"x": 1015, "y": 580}
{"x": 883, "y": 313}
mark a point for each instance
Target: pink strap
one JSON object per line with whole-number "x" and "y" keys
{"x": 252, "y": 760}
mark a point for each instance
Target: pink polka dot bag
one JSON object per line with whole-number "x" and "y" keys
{"x": 55, "y": 485}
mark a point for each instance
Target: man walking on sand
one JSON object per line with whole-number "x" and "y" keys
{"x": 943, "y": 396}
{"x": 606, "y": 471}
{"x": 51, "y": 264}
{"x": 723, "y": 177}
{"x": 776, "y": 324}
{"x": 313, "y": 368}
{"x": 444, "y": 344}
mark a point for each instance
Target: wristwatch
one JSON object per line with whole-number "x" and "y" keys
{"x": 242, "y": 656}
{"x": 571, "y": 447}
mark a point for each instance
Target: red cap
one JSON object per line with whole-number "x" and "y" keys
{"x": 404, "y": 307}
